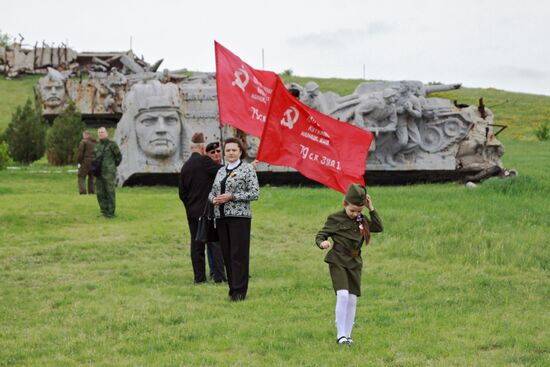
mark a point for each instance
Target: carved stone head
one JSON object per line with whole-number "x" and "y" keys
{"x": 390, "y": 95}
{"x": 51, "y": 89}
{"x": 158, "y": 123}
{"x": 151, "y": 134}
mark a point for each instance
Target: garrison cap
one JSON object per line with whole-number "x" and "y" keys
{"x": 356, "y": 195}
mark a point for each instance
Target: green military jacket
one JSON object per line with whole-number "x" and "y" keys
{"x": 108, "y": 149}
{"x": 345, "y": 231}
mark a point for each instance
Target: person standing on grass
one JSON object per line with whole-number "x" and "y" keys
{"x": 235, "y": 186}
{"x": 196, "y": 177}
{"x": 84, "y": 159}
{"x": 349, "y": 229}
{"x": 214, "y": 151}
{"x": 109, "y": 153}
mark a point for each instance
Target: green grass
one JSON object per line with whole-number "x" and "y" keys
{"x": 460, "y": 277}
{"x": 14, "y": 93}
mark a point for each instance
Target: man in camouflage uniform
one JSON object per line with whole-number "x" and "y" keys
{"x": 109, "y": 152}
{"x": 84, "y": 160}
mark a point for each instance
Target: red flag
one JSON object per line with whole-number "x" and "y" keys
{"x": 323, "y": 149}
{"x": 244, "y": 93}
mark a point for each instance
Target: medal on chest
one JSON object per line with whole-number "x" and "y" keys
{"x": 359, "y": 221}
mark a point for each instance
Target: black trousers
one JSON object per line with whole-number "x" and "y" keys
{"x": 197, "y": 255}
{"x": 234, "y": 236}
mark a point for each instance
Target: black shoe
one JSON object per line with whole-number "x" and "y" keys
{"x": 343, "y": 341}
{"x": 237, "y": 297}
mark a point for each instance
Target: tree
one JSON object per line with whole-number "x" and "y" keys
{"x": 64, "y": 136}
{"x": 26, "y": 134}
{"x": 4, "y": 39}
{"x": 287, "y": 72}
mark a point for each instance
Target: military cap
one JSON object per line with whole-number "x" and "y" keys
{"x": 197, "y": 138}
{"x": 356, "y": 195}
{"x": 212, "y": 146}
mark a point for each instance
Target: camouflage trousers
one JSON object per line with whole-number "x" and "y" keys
{"x": 105, "y": 191}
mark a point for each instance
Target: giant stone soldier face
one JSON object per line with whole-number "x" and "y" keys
{"x": 52, "y": 93}
{"x": 158, "y": 132}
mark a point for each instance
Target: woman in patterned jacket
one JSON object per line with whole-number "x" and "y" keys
{"x": 235, "y": 185}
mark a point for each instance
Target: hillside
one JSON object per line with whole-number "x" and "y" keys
{"x": 521, "y": 112}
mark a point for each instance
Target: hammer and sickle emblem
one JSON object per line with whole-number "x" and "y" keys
{"x": 241, "y": 78}
{"x": 290, "y": 117}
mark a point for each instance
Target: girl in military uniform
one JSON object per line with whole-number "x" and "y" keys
{"x": 349, "y": 229}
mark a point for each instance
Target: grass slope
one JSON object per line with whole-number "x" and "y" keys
{"x": 460, "y": 277}
{"x": 14, "y": 93}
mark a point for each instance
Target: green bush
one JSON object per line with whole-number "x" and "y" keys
{"x": 543, "y": 132}
{"x": 26, "y": 134}
{"x": 64, "y": 136}
{"x": 5, "y": 159}
{"x": 4, "y": 39}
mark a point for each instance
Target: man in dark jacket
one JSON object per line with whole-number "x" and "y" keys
{"x": 84, "y": 160}
{"x": 196, "y": 178}
{"x": 108, "y": 151}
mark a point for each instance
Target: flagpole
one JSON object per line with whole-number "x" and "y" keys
{"x": 221, "y": 139}
{"x": 218, "y": 95}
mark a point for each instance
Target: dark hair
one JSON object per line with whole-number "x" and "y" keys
{"x": 239, "y": 143}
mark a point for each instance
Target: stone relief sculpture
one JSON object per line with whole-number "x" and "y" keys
{"x": 51, "y": 91}
{"x": 412, "y": 132}
{"x": 151, "y": 134}
{"x": 158, "y": 111}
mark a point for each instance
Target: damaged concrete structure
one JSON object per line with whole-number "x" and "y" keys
{"x": 18, "y": 59}
{"x": 417, "y": 137}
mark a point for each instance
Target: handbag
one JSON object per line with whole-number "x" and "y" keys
{"x": 206, "y": 229}
{"x": 95, "y": 166}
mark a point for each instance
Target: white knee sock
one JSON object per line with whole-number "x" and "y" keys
{"x": 342, "y": 296}
{"x": 350, "y": 314}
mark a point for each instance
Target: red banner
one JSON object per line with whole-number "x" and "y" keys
{"x": 323, "y": 149}
{"x": 244, "y": 93}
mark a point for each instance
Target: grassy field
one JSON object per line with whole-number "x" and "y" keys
{"x": 460, "y": 277}
{"x": 14, "y": 93}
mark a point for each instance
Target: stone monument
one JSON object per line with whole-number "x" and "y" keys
{"x": 415, "y": 135}
{"x": 51, "y": 91}
{"x": 151, "y": 134}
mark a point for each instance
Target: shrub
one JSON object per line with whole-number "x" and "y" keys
{"x": 543, "y": 132}
{"x": 26, "y": 134}
{"x": 288, "y": 72}
{"x": 4, "y": 39}
{"x": 64, "y": 136}
{"x": 5, "y": 159}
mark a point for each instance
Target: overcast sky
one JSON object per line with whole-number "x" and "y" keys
{"x": 482, "y": 43}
